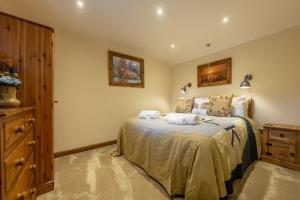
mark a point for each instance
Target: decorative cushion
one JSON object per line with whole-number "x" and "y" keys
{"x": 239, "y": 106}
{"x": 184, "y": 105}
{"x": 220, "y": 105}
{"x": 201, "y": 105}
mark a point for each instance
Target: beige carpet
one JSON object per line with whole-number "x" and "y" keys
{"x": 95, "y": 175}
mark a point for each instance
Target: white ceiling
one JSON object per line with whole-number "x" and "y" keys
{"x": 190, "y": 24}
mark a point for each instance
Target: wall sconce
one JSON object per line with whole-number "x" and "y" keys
{"x": 183, "y": 89}
{"x": 246, "y": 83}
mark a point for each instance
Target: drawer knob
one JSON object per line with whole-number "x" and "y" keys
{"x": 33, "y": 191}
{"x": 19, "y": 129}
{"x": 31, "y": 120}
{"x": 292, "y": 154}
{"x": 19, "y": 162}
{"x": 268, "y": 153}
{"x": 281, "y": 135}
{"x": 31, "y": 143}
{"x": 21, "y": 196}
{"x": 269, "y": 144}
{"x": 32, "y": 167}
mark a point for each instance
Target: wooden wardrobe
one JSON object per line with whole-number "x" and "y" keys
{"x": 31, "y": 46}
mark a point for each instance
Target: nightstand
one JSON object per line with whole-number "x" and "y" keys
{"x": 281, "y": 145}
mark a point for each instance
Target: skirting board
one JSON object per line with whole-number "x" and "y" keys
{"x": 81, "y": 149}
{"x": 47, "y": 187}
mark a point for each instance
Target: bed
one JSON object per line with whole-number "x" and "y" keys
{"x": 195, "y": 161}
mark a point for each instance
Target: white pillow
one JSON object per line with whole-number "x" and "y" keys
{"x": 239, "y": 106}
{"x": 200, "y": 105}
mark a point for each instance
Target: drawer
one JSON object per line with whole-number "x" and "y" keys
{"x": 13, "y": 130}
{"x": 20, "y": 190}
{"x": 281, "y": 135}
{"x": 29, "y": 121}
{"x": 16, "y": 161}
{"x": 281, "y": 151}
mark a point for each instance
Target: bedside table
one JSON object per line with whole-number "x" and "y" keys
{"x": 281, "y": 145}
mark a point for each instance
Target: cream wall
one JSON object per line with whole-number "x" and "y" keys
{"x": 90, "y": 111}
{"x": 274, "y": 62}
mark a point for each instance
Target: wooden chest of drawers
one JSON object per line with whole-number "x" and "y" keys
{"x": 17, "y": 154}
{"x": 281, "y": 145}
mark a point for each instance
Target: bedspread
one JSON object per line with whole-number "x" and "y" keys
{"x": 192, "y": 160}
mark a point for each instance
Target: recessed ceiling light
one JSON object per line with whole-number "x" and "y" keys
{"x": 80, "y": 4}
{"x": 225, "y": 20}
{"x": 159, "y": 11}
{"x": 172, "y": 46}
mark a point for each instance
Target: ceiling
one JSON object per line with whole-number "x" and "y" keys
{"x": 189, "y": 24}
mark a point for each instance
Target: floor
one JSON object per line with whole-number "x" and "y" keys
{"x": 95, "y": 175}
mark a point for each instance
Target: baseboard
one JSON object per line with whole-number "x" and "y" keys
{"x": 281, "y": 163}
{"x": 81, "y": 149}
{"x": 46, "y": 187}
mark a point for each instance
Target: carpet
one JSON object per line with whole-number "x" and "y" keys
{"x": 95, "y": 175}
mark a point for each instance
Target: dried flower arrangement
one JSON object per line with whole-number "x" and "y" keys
{"x": 9, "y": 83}
{"x": 8, "y": 73}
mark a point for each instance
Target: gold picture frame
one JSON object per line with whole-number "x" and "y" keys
{"x": 215, "y": 73}
{"x": 125, "y": 70}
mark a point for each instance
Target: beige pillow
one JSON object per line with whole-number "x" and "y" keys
{"x": 220, "y": 105}
{"x": 184, "y": 105}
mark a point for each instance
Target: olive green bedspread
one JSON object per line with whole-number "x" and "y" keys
{"x": 190, "y": 160}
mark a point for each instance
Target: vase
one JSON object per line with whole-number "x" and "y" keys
{"x": 8, "y": 97}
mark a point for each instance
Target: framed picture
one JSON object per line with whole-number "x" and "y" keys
{"x": 124, "y": 70}
{"x": 215, "y": 73}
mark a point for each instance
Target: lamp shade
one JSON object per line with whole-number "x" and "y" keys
{"x": 246, "y": 82}
{"x": 184, "y": 88}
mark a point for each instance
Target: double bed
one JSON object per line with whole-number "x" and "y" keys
{"x": 196, "y": 161}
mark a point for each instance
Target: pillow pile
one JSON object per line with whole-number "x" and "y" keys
{"x": 220, "y": 105}
{"x": 184, "y": 105}
{"x": 201, "y": 105}
{"x": 239, "y": 106}
{"x": 223, "y": 106}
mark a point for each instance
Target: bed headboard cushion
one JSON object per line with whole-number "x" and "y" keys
{"x": 250, "y": 108}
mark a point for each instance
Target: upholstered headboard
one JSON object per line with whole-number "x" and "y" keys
{"x": 250, "y": 108}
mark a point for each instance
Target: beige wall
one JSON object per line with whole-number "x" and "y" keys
{"x": 274, "y": 62}
{"x": 89, "y": 111}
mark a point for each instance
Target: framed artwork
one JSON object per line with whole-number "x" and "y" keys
{"x": 215, "y": 73}
{"x": 124, "y": 70}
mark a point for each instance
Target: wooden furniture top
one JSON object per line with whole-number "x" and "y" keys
{"x": 282, "y": 126}
{"x": 12, "y": 111}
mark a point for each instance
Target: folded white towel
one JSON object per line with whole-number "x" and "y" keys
{"x": 149, "y": 114}
{"x": 183, "y": 118}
